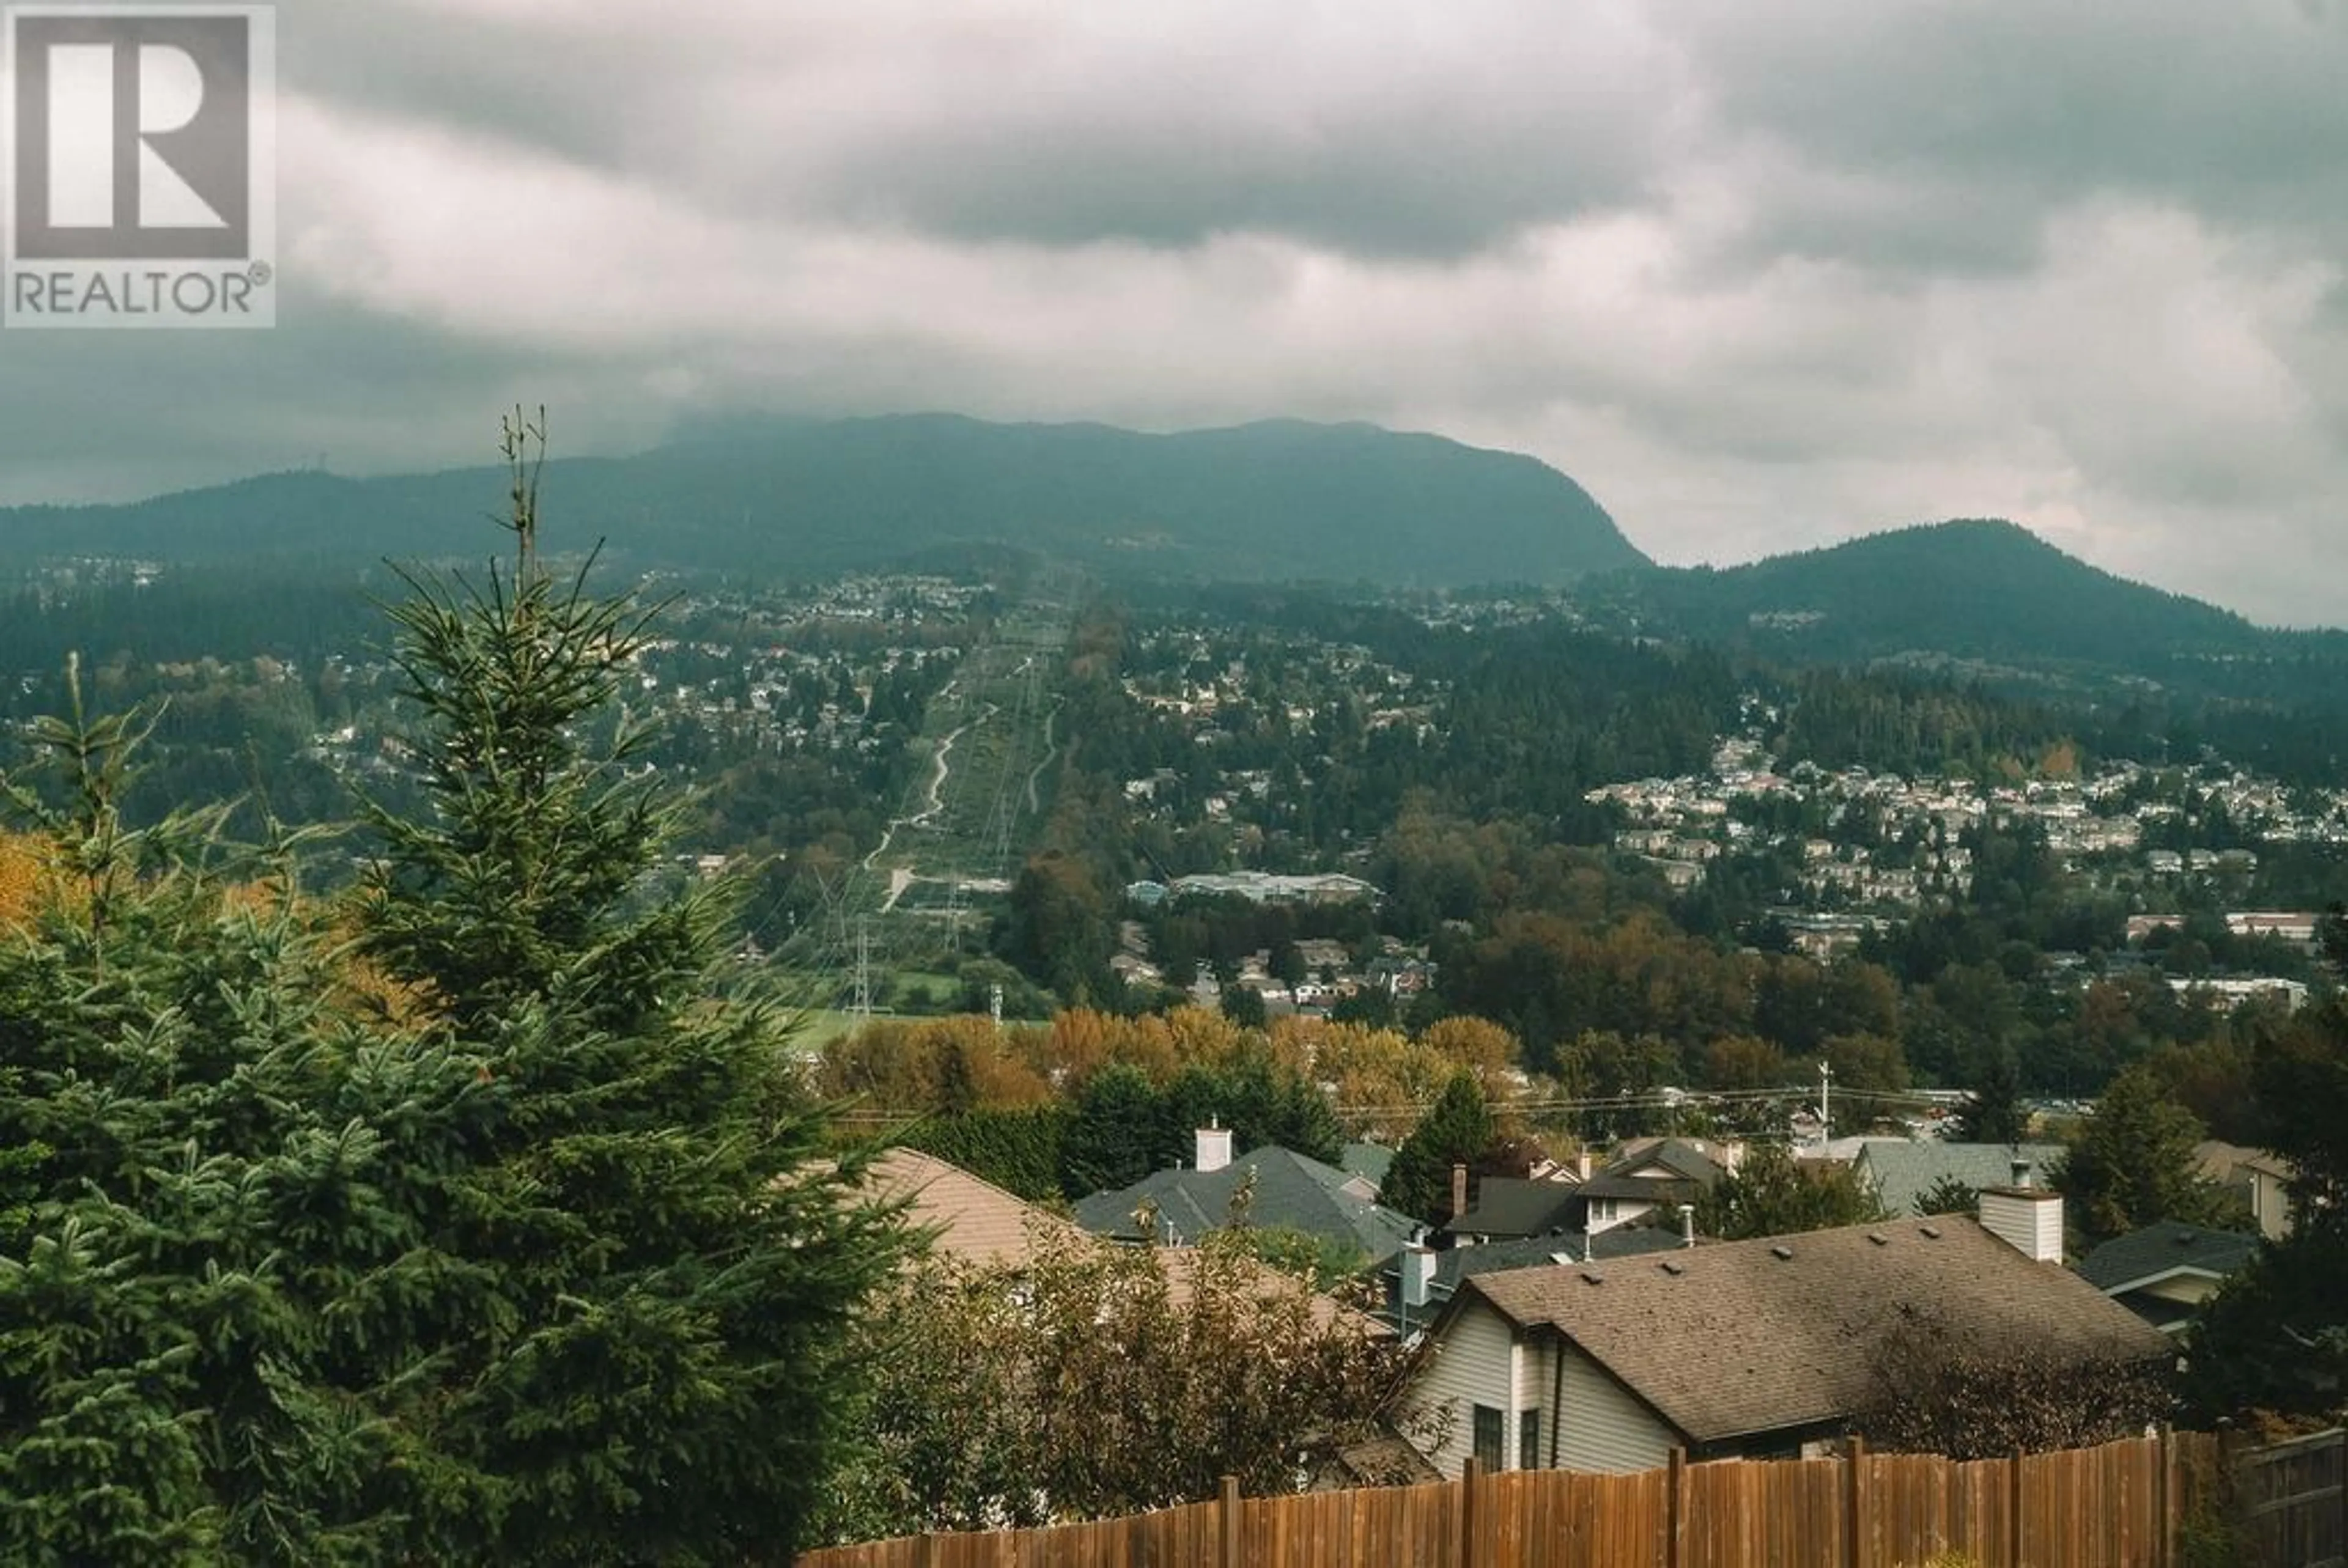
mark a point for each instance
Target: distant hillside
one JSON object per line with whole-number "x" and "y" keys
{"x": 1281, "y": 500}
{"x": 1968, "y": 589}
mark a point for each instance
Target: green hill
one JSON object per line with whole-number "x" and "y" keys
{"x": 1281, "y": 500}
{"x": 1972, "y": 589}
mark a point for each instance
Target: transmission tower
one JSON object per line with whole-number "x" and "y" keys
{"x": 863, "y": 1004}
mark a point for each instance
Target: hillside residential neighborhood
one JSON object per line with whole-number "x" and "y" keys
{"x": 1543, "y": 1340}
{"x": 1175, "y": 787}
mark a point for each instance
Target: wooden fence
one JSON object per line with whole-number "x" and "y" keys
{"x": 2291, "y": 1502}
{"x": 2121, "y": 1505}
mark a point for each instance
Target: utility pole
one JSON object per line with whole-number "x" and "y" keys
{"x": 1825, "y": 1103}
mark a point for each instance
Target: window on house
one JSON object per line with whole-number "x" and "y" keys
{"x": 1529, "y": 1454}
{"x": 1487, "y": 1437}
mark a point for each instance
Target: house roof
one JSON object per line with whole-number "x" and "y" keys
{"x": 1371, "y": 1162}
{"x": 1291, "y": 1191}
{"x": 1652, "y": 1189}
{"x": 1688, "y": 1158}
{"x": 1901, "y": 1173}
{"x": 1655, "y": 1169}
{"x": 1533, "y": 1252}
{"x": 2161, "y": 1249}
{"x": 1762, "y": 1336}
{"x": 971, "y": 1217}
{"x": 1516, "y": 1207}
{"x": 1381, "y": 1461}
{"x": 2224, "y": 1162}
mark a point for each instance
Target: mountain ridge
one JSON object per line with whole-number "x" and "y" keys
{"x": 1271, "y": 500}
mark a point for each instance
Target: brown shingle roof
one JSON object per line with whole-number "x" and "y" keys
{"x": 974, "y": 1220}
{"x": 2223, "y": 1162}
{"x": 1742, "y": 1340}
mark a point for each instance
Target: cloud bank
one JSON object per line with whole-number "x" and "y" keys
{"x": 1760, "y": 277}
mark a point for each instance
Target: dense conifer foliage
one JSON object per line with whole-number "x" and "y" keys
{"x": 2276, "y": 1338}
{"x": 494, "y": 1234}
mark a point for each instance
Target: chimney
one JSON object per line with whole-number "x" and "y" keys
{"x": 1688, "y": 1225}
{"x": 1214, "y": 1148}
{"x": 1459, "y": 1189}
{"x": 2028, "y": 1219}
{"x": 2021, "y": 1169}
{"x": 1417, "y": 1273}
{"x": 1581, "y": 1165}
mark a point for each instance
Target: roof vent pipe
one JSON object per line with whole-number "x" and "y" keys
{"x": 1688, "y": 1225}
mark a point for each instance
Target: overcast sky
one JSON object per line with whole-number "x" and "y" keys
{"x": 1761, "y": 276}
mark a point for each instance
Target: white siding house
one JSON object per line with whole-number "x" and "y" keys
{"x": 1742, "y": 1349}
{"x": 1597, "y": 1425}
{"x": 1552, "y": 1406}
{"x": 1479, "y": 1362}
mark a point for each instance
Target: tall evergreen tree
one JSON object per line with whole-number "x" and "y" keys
{"x": 510, "y": 1244}
{"x": 215, "y": 1208}
{"x": 2132, "y": 1162}
{"x": 636, "y": 1347}
{"x": 2276, "y": 1337}
{"x": 1769, "y": 1194}
{"x": 1115, "y": 1133}
{"x": 1993, "y": 1113}
{"x": 1458, "y": 1130}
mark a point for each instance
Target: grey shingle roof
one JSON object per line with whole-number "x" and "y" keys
{"x": 1686, "y": 1157}
{"x": 1292, "y": 1192}
{"x": 1655, "y": 1169}
{"x": 1513, "y": 1207}
{"x": 1903, "y": 1173}
{"x": 1371, "y": 1162}
{"x": 1532, "y": 1252}
{"x": 1740, "y": 1340}
{"x": 2165, "y": 1247}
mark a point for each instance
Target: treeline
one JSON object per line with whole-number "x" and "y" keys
{"x": 1909, "y": 726}
{"x": 1540, "y": 715}
{"x": 108, "y": 610}
{"x": 1091, "y": 1101}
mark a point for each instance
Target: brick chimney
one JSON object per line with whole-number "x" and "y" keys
{"x": 1214, "y": 1148}
{"x": 1459, "y": 1189}
{"x": 2028, "y": 1219}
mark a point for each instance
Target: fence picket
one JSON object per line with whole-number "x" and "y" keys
{"x": 2121, "y": 1505}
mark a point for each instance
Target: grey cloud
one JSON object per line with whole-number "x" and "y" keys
{"x": 1404, "y": 169}
{"x": 1363, "y": 129}
{"x": 120, "y": 414}
{"x": 2233, "y": 109}
{"x": 1762, "y": 277}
